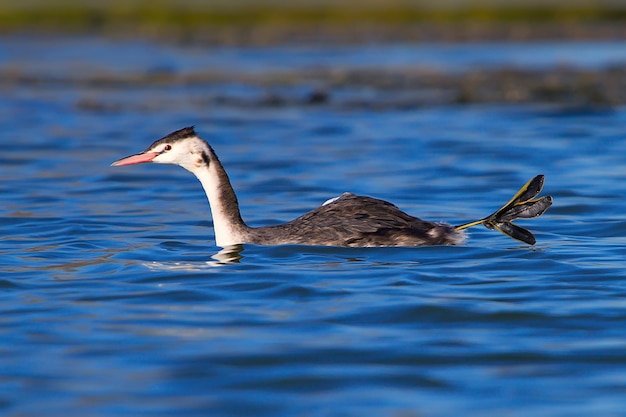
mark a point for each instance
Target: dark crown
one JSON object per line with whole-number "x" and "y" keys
{"x": 184, "y": 133}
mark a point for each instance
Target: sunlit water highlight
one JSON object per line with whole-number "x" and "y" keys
{"x": 115, "y": 302}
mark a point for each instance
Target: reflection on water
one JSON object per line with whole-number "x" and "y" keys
{"x": 115, "y": 300}
{"x": 228, "y": 255}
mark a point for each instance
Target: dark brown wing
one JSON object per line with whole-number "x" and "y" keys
{"x": 359, "y": 214}
{"x": 353, "y": 220}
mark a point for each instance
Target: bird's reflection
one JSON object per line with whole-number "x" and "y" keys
{"x": 227, "y": 256}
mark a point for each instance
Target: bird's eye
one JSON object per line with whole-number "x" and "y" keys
{"x": 167, "y": 147}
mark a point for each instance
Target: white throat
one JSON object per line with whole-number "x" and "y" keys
{"x": 227, "y": 231}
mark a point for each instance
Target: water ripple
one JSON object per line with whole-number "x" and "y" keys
{"x": 116, "y": 301}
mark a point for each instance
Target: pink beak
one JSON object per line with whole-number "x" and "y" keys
{"x": 136, "y": 159}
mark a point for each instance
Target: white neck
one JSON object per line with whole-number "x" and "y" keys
{"x": 227, "y": 223}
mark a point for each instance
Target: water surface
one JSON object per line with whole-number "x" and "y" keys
{"x": 97, "y": 54}
{"x": 114, "y": 304}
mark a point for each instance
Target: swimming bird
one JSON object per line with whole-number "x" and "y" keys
{"x": 347, "y": 220}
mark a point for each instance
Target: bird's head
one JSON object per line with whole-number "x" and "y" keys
{"x": 182, "y": 147}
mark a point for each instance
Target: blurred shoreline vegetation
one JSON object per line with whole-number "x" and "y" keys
{"x": 267, "y": 21}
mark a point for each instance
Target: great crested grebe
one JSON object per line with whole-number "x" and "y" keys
{"x": 347, "y": 220}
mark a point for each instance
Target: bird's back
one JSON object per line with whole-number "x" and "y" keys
{"x": 352, "y": 220}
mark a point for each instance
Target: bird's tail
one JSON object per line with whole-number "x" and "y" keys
{"x": 523, "y": 205}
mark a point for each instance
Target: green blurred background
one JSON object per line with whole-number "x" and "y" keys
{"x": 274, "y": 21}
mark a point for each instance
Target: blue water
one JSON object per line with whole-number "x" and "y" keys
{"x": 87, "y": 54}
{"x": 114, "y": 303}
